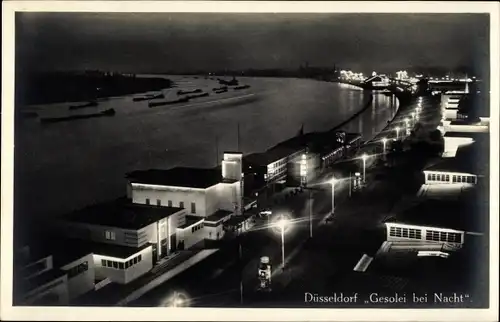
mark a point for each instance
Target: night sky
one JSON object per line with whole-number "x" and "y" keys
{"x": 192, "y": 41}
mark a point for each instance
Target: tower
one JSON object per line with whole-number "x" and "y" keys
{"x": 232, "y": 171}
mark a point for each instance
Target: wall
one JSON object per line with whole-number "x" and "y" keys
{"x": 191, "y": 238}
{"x": 48, "y": 262}
{"x": 115, "y": 275}
{"x": 212, "y": 199}
{"x": 451, "y": 145}
{"x": 467, "y": 128}
{"x": 214, "y": 230}
{"x": 226, "y": 193}
{"x": 123, "y": 276}
{"x": 123, "y": 237}
{"x": 142, "y": 267}
{"x": 175, "y": 194}
{"x": 59, "y": 287}
{"x": 84, "y": 282}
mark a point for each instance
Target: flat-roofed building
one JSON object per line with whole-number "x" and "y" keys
{"x": 465, "y": 168}
{"x": 454, "y": 140}
{"x": 439, "y": 223}
{"x": 127, "y": 239}
{"x": 52, "y": 273}
{"x": 201, "y": 192}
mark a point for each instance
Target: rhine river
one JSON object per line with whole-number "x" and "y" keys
{"x": 65, "y": 166}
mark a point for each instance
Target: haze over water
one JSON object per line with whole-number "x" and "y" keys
{"x": 85, "y": 161}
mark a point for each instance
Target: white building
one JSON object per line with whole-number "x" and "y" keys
{"x": 52, "y": 279}
{"x": 127, "y": 239}
{"x": 437, "y": 223}
{"x": 211, "y": 195}
{"x": 464, "y": 168}
{"x": 454, "y": 140}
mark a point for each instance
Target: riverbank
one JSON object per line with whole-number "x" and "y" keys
{"x": 48, "y": 88}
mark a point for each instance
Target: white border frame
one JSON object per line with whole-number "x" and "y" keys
{"x": 157, "y": 314}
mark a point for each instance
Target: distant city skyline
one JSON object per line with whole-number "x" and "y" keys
{"x": 188, "y": 42}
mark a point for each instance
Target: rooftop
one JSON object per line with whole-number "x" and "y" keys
{"x": 178, "y": 177}
{"x": 466, "y": 214}
{"x": 474, "y": 105}
{"x": 122, "y": 213}
{"x": 470, "y": 158}
{"x": 117, "y": 251}
{"x": 191, "y": 220}
{"x": 218, "y": 215}
{"x": 268, "y": 157}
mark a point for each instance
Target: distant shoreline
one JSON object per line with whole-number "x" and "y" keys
{"x": 38, "y": 89}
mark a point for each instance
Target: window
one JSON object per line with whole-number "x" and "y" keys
{"x": 193, "y": 208}
{"x": 109, "y": 263}
{"x": 140, "y": 258}
{"x": 120, "y": 265}
{"x": 169, "y": 203}
{"x": 34, "y": 268}
{"x": 115, "y": 264}
{"x": 158, "y": 202}
{"x": 110, "y": 235}
{"x": 405, "y": 232}
{"x": 447, "y": 177}
{"x": 103, "y": 263}
{"x": 79, "y": 269}
{"x": 147, "y": 201}
{"x": 181, "y": 204}
{"x": 442, "y": 236}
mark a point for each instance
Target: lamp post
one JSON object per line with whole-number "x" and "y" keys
{"x": 282, "y": 225}
{"x": 407, "y": 122}
{"x": 397, "y": 132}
{"x": 364, "y": 157}
{"x": 332, "y": 182}
{"x": 384, "y": 143}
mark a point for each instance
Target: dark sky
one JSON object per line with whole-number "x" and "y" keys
{"x": 183, "y": 42}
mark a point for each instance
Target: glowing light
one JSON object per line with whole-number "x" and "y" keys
{"x": 177, "y": 299}
{"x": 364, "y": 157}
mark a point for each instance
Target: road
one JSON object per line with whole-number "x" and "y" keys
{"x": 335, "y": 248}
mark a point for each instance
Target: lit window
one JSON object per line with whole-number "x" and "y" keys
{"x": 193, "y": 208}
{"x": 110, "y": 235}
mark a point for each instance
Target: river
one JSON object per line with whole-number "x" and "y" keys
{"x": 64, "y": 166}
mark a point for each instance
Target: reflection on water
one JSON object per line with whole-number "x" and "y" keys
{"x": 68, "y": 165}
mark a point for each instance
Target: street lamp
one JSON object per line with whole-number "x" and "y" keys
{"x": 364, "y": 157}
{"x": 397, "y": 132}
{"x": 177, "y": 300}
{"x": 332, "y": 182}
{"x": 407, "y": 122}
{"x": 283, "y": 223}
{"x": 384, "y": 142}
